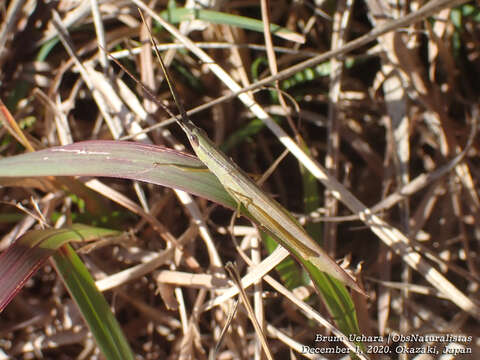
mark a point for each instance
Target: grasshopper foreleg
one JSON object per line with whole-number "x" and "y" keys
{"x": 181, "y": 167}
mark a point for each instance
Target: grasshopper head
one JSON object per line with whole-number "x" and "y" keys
{"x": 194, "y": 133}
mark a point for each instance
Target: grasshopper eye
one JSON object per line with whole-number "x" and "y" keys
{"x": 193, "y": 139}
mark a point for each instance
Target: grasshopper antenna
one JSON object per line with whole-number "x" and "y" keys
{"x": 184, "y": 121}
{"x": 145, "y": 88}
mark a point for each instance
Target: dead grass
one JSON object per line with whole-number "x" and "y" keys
{"x": 396, "y": 128}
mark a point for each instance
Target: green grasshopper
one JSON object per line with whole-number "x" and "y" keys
{"x": 270, "y": 215}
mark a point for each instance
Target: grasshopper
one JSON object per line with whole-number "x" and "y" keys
{"x": 270, "y": 215}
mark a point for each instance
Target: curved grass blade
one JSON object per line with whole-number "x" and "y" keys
{"x": 177, "y": 15}
{"x": 23, "y": 258}
{"x": 119, "y": 159}
{"x": 93, "y": 306}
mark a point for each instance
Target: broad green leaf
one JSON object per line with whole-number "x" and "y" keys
{"x": 119, "y": 159}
